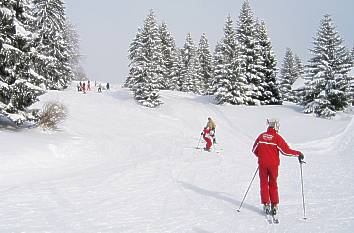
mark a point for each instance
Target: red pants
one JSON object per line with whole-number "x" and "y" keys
{"x": 269, "y": 188}
{"x": 208, "y": 143}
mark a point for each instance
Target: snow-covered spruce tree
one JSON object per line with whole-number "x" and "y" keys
{"x": 299, "y": 66}
{"x": 219, "y": 67}
{"x": 136, "y": 59}
{"x": 230, "y": 86}
{"x": 51, "y": 26}
{"x": 299, "y": 92}
{"x": 250, "y": 51}
{"x": 169, "y": 56}
{"x": 20, "y": 85}
{"x": 352, "y": 78}
{"x": 206, "y": 64}
{"x": 146, "y": 74}
{"x": 191, "y": 71}
{"x": 267, "y": 70}
{"x": 75, "y": 57}
{"x": 176, "y": 69}
{"x": 288, "y": 75}
{"x": 327, "y": 82}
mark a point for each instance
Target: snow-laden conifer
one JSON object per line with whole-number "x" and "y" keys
{"x": 206, "y": 64}
{"x": 136, "y": 60}
{"x": 288, "y": 75}
{"x": 75, "y": 57}
{"x": 190, "y": 71}
{"x": 169, "y": 56}
{"x": 146, "y": 73}
{"x": 250, "y": 51}
{"x": 230, "y": 85}
{"x": 352, "y": 77}
{"x": 267, "y": 70}
{"x": 327, "y": 81}
{"x": 20, "y": 85}
{"x": 299, "y": 66}
{"x": 54, "y": 64}
{"x": 176, "y": 69}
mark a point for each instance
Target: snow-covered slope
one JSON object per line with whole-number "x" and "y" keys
{"x": 115, "y": 166}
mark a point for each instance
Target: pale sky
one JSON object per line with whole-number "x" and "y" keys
{"x": 107, "y": 27}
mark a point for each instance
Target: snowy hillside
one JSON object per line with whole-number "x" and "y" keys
{"x": 115, "y": 166}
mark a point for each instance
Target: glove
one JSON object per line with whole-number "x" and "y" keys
{"x": 201, "y": 133}
{"x": 301, "y": 157}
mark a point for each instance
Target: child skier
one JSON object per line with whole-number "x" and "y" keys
{"x": 207, "y": 135}
{"x": 266, "y": 148}
{"x": 211, "y": 125}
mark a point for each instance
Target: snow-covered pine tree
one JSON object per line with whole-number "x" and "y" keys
{"x": 267, "y": 69}
{"x": 327, "y": 82}
{"x": 250, "y": 51}
{"x": 169, "y": 54}
{"x": 352, "y": 78}
{"x": 230, "y": 86}
{"x": 288, "y": 75}
{"x": 299, "y": 66}
{"x": 191, "y": 70}
{"x": 146, "y": 74}
{"x": 51, "y": 26}
{"x": 206, "y": 64}
{"x": 73, "y": 42}
{"x": 176, "y": 69}
{"x": 299, "y": 72}
{"x": 20, "y": 85}
{"x": 136, "y": 60}
{"x": 219, "y": 67}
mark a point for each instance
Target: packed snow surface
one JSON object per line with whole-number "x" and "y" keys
{"x": 115, "y": 166}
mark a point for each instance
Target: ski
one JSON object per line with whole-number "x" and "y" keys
{"x": 271, "y": 214}
{"x": 218, "y": 151}
{"x": 275, "y": 219}
{"x": 274, "y": 213}
{"x": 268, "y": 218}
{"x": 268, "y": 215}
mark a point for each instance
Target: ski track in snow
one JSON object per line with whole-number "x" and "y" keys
{"x": 115, "y": 166}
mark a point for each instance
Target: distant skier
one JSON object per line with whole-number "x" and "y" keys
{"x": 99, "y": 89}
{"x": 266, "y": 148}
{"x": 107, "y": 86}
{"x": 211, "y": 125}
{"x": 88, "y": 85}
{"x": 207, "y": 135}
{"x": 84, "y": 87}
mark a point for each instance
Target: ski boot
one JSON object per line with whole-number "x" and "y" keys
{"x": 274, "y": 212}
{"x": 266, "y": 209}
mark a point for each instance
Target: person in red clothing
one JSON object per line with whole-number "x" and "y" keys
{"x": 266, "y": 148}
{"x": 84, "y": 87}
{"x": 207, "y": 135}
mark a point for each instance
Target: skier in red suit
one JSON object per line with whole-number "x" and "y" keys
{"x": 266, "y": 148}
{"x": 207, "y": 135}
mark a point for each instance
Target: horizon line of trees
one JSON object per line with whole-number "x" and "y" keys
{"x": 39, "y": 51}
{"x": 242, "y": 68}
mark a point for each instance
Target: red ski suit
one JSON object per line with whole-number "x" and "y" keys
{"x": 207, "y": 137}
{"x": 266, "y": 148}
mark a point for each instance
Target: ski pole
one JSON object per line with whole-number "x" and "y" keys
{"x": 302, "y": 189}
{"x": 239, "y": 208}
{"x": 200, "y": 138}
